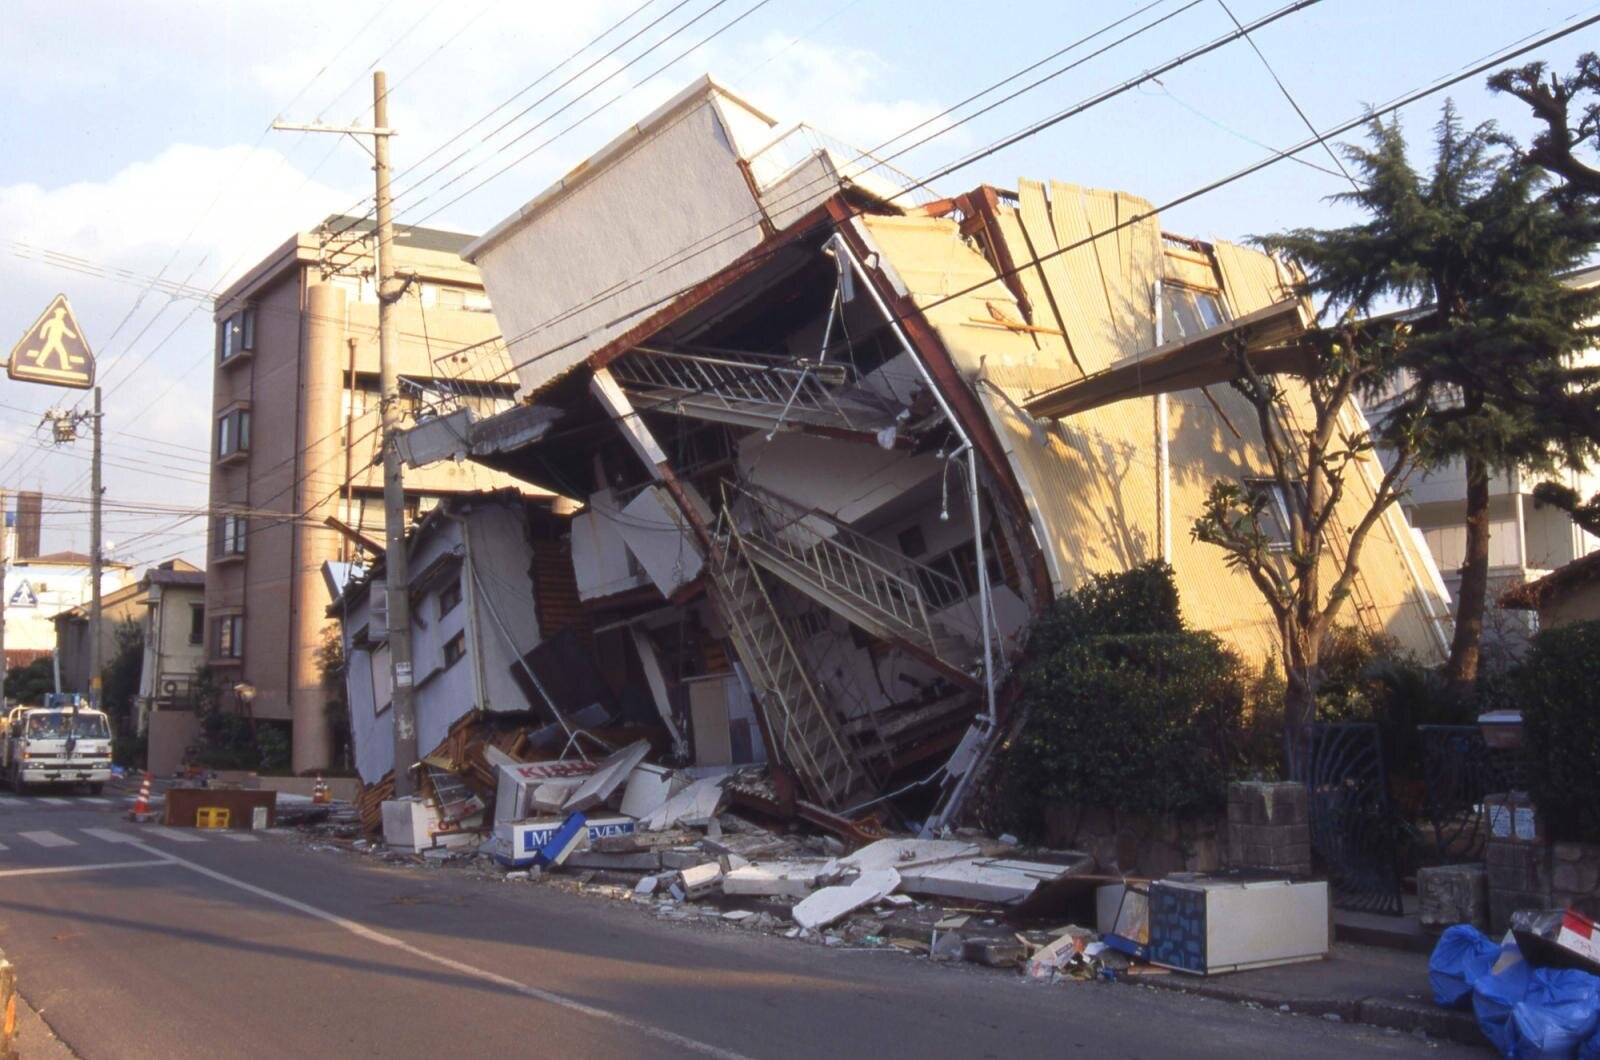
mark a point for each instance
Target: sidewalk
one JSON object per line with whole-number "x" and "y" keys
{"x": 1358, "y": 984}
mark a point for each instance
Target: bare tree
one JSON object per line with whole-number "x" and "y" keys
{"x": 1278, "y": 531}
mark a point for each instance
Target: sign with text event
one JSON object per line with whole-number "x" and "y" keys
{"x": 54, "y": 350}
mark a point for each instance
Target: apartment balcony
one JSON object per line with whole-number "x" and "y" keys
{"x": 755, "y": 390}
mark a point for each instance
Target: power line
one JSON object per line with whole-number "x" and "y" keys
{"x": 1027, "y": 131}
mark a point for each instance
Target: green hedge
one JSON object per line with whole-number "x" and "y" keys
{"x": 1557, "y": 687}
{"x": 1127, "y": 709}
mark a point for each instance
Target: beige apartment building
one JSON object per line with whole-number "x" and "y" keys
{"x": 295, "y": 480}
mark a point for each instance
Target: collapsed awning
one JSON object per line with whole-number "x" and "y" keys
{"x": 1203, "y": 360}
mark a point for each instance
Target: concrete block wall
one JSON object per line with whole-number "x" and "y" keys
{"x": 1269, "y": 827}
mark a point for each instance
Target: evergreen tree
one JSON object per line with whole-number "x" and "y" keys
{"x": 1478, "y": 246}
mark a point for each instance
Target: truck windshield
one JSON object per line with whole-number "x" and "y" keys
{"x": 58, "y": 726}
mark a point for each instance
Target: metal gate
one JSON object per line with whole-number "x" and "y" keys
{"x": 1354, "y": 828}
{"x": 1459, "y": 769}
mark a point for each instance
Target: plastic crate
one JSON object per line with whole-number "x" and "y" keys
{"x": 212, "y": 817}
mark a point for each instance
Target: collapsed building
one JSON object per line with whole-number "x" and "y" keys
{"x": 835, "y": 443}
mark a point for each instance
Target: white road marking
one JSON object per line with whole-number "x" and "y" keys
{"x": 241, "y": 837}
{"x": 109, "y": 835}
{"x": 81, "y": 868}
{"x": 48, "y": 839}
{"x": 175, "y": 835}
{"x": 97, "y": 800}
{"x": 53, "y": 801}
{"x": 3, "y": 847}
{"x": 360, "y": 930}
{"x": 10, "y": 800}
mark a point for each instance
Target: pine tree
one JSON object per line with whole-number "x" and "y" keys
{"x": 1478, "y": 247}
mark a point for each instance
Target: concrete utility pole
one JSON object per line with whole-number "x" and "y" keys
{"x": 390, "y": 289}
{"x": 95, "y": 491}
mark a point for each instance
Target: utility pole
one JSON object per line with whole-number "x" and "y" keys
{"x": 64, "y": 428}
{"x": 397, "y": 577}
{"x": 95, "y": 491}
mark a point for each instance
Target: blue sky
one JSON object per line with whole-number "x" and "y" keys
{"x": 135, "y": 145}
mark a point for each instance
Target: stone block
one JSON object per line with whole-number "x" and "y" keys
{"x": 1516, "y": 866}
{"x": 1263, "y": 803}
{"x": 1453, "y": 894}
{"x": 1577, "y": 879}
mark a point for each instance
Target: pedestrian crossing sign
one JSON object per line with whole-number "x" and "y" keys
{"x": 54, "y": 350}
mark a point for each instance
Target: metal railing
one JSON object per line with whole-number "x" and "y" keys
{"x": 757, "y": 383}
{"x": 809, "y": 742}
{"x": 845, "y": 562}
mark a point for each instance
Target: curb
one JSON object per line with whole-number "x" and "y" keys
{"x": 1406, "y": 1017}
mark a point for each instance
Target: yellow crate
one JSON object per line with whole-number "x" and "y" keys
{"x": 211, "y": 817}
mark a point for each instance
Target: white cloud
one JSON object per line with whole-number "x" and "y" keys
{"x": 197, "y": 215}
{"x": 844, "y": 92}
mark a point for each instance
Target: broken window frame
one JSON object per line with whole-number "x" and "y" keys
{"x": 455, "y": 649}
{"x": 1204, "y": 309}
{"x": 1279, "y": 533}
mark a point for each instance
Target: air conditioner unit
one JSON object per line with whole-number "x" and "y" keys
{"x": 170, "y": 688}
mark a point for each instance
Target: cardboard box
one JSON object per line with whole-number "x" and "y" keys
{"x": 517, "y": 842}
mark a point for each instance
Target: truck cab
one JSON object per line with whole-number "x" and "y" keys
{"x": 62, "y": 741}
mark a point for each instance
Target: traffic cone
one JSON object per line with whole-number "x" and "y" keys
{"x": 141, "y": 805}
{"x": 320, "y": 792}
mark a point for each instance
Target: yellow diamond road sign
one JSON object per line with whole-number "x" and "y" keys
{"x": 54, "y": 350}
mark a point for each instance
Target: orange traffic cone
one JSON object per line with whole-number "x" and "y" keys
{"x": 320, "y": 792}
{"x": 141, "y": 805}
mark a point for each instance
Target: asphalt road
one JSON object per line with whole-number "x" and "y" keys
{"x": 140, "y": 941}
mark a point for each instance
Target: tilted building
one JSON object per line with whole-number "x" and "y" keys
{"x": 795, "y": 399}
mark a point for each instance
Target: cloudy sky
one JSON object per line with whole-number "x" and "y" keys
{"x": 138, "y": 173}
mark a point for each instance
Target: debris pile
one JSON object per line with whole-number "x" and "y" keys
{"x": 701, "y": 845}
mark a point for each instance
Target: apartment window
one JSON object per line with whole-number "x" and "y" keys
{"x": 455, "y": 648}
{"x": 449, "y": 596}
{"x": 1275, "y": 522}
{"x": 236, "y": 335}
{"x": 233, "y": 433}
{"x": 228, "y": 535}
{"x": 197, "y": 623}
{"x": 230, "y": 637}
{"x": 1187, "y": 311}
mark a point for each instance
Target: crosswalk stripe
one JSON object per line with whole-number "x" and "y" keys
{"x": 97, "y": 800}
{"x": 176, "y": 836}
{"x": 241, "y": 837}
{"x": 3, "y": 847}
{"x": 109, "y": 835}
{"x": 48, "y": 839}
{"x": 10, "y": 800}
{"x": 54, "y": 802}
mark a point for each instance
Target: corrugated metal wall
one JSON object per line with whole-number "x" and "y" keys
{"x": 1091, "y": 481}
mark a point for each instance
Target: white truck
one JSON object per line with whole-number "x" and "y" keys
{"x": 61, "y": 742}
